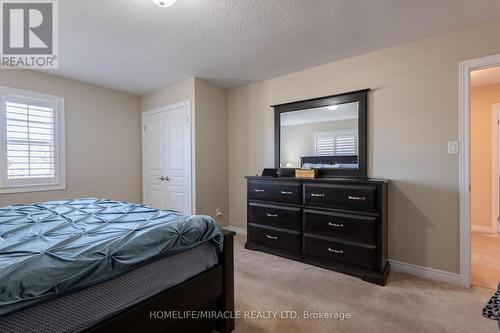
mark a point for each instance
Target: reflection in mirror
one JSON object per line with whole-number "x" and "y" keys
{"x": 323, "y": 137}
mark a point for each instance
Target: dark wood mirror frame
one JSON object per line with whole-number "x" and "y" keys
{"x": 360, "y": 96}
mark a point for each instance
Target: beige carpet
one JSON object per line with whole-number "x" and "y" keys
{"x": 485, "y": 259}
{"x": 407, "y": 304}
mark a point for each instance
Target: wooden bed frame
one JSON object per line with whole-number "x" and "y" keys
{"x": 212, "y": 290}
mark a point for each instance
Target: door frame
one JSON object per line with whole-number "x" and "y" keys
{"x": 192, "y": 165}
{"x": 465, "y": 67}
{"x": 495, "y": 166}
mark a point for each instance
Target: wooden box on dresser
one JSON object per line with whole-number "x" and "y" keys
{"x": 335, "y": 223}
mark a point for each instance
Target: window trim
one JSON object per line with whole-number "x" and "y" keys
{"x": 59, "y": 140}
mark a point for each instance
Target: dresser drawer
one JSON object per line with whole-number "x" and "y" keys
{"x": 273, "y": 237}
{"x": 346, "y": 226}
{"x": 349, "y": 197}
{"x": 363, "y": 256}
{"x": 285, "y": 192}
{"x": 287, "y": 217}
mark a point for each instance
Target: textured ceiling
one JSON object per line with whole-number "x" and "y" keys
{"x": 485, "y": 77}
{"x": 137, "y": 47}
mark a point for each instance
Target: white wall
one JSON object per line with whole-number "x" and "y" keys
{"x": 103, "y": 154}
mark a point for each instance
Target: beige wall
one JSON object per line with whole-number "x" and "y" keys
{"x": 103, "y": 154}
{"x": 180, "y": 92}
{"x": 211, "y": 159}
{"x": 482, "y": 99}
{"x": 413, "y": 112}
{"x": 211, "y": 150}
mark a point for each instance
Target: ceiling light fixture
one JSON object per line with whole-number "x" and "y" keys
{"x": 333, "y": 107}
{"x": 164, "y": 3}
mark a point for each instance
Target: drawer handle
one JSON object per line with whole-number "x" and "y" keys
{"x": 352, "y": 197}
{"x": 287, "y": 193}
{"x": 272, "y": 215}
{"x": 257, "y": 190}
{"x": 335, "y": 251}
{"x": 336, "y": 225}
{"x": 317, "y": 195}
{"x": 272, "y": 237}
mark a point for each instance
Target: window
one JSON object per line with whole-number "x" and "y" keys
{"x": 31, "y": 141}
{"x": 336, "y": 143}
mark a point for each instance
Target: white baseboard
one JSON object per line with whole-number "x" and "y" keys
{"x": 237, "y": 230}
{"x": 425, "y": 272}
{"x": 481, "y": 228}
{"x": 398, "y": 266}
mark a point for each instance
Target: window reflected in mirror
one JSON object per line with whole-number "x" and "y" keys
{"x": 322, "y": 137}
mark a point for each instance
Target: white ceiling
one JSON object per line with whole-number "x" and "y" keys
{"x": 345, "y": 111}
{"x": 485, "y": 77}
{"x": 138, "y": 47}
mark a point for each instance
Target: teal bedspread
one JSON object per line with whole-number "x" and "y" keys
{"x": 51, "y": 248}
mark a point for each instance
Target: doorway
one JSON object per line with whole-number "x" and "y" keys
{"x": 485, "y": 121}
{"x": 479, "y": 171}
{"x": 167, "y": 158}
{"x": 495, "y": 154}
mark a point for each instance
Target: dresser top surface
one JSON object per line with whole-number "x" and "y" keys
{"x": 321, "y": 180}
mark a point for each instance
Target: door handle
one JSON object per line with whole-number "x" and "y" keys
{"x": 163, "y": 178}
{"x": 336, "y": 225}
{"x": 335, "y": 251}
{"x": 353, "y": 197}
{"x": 272, "y": 215}
{"x": 272, "y": 237}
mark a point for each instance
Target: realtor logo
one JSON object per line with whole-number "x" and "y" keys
{"x": 29, "y": 34}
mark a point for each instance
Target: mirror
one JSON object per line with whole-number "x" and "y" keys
{"x": 328, "y": 134}
{"x": 324, "y": 137}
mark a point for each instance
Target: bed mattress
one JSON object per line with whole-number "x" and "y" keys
{"x": 54, "y": 248}
{"x": 83, "y": 309}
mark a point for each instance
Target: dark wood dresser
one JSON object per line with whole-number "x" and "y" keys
{"x": 336, "y": 223}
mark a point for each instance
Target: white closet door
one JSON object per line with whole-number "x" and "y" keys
{"x": 167, "y": 159}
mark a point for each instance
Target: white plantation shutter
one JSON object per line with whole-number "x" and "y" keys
{"x": 32, "y": 141}
{"x": 336, "y": 143}
{"x": 324, "y": 144}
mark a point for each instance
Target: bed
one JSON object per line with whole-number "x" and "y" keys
{"x": 329, "y": 162}
{"x": 93, "y": 265}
